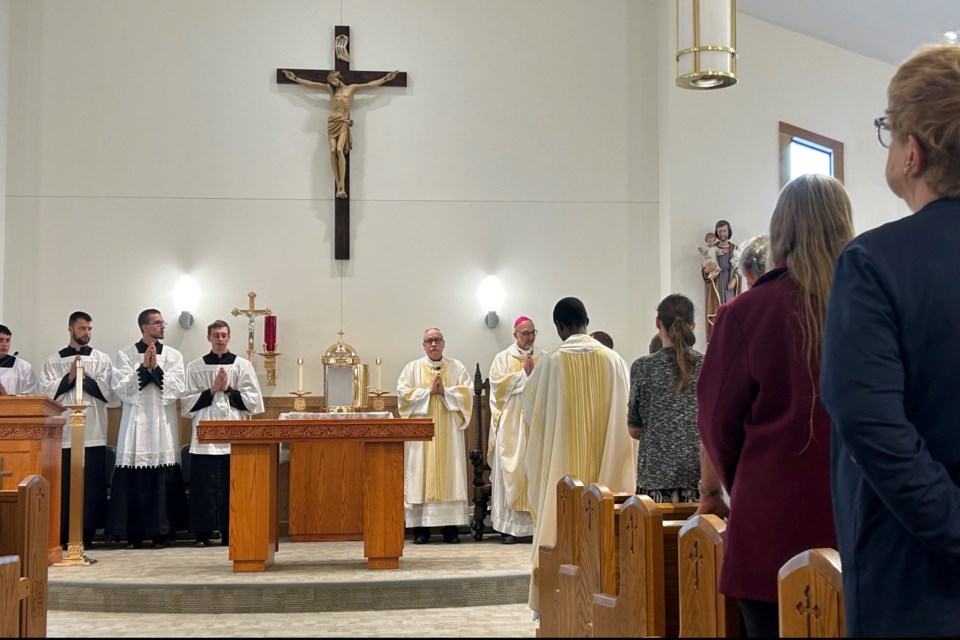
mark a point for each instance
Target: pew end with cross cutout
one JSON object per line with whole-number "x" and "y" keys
{"x": 810, "y": 595}
{"x": 24, "y": 514}
{"x": 704, "y": 611}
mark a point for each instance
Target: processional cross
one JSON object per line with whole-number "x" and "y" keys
{"x": 341, "y": 82}
{"x": 251, "y": 313}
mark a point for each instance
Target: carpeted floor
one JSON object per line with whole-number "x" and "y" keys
{"x": 313, "y": 590}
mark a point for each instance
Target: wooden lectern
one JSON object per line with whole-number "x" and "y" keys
{"x": 31, "y": 431}
{"x": 254, "y": 527}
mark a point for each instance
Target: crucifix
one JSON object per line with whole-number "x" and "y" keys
{"x": 341, "y": 82}
{"x": 250, "y": 313}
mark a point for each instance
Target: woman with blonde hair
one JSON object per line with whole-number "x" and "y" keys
{"x": 891, "y": 363}
{"x": 760, "y": 416}
{"x": 662, "y": 409}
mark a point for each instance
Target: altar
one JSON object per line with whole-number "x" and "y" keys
{"x": 254, "y": 461}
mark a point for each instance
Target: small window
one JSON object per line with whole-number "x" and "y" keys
{"x": 803, "y": 151}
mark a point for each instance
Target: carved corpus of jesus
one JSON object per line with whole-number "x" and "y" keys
{"x": 339, "y": 122}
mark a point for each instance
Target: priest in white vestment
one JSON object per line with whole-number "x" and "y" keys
{"x": 434, "y": 472}
{"x": 507, "y": 441}
{"x": 575, "y": 404}
{"x": 16, "y": 374}
{"x": 220, "y": 386}
{"x": 146, "y": 498}
{"x": 58, "y": 380}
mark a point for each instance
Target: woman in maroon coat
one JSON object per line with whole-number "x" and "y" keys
{"x": 759, "y": 411}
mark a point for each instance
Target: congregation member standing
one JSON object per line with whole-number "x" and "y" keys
{"x": 434, "y": 472}
{"x": 219, "y": 386}
{"x": 759, "y": 411}
{"x": 510, "y": 508}
{"x": 662, "y": 409}
{"x": 575, "y": 405}
{"x": 147, "y": 499}
{"x": 891, "y": 361}
{"x": 58, "y": 380}
{"x": 16, "y": 374}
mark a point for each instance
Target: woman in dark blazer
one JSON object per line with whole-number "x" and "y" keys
{"x": 891, "y": 370}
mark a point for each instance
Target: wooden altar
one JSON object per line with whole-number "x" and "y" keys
{"x": 31, "y": 431}
{"x": 254, "y": 526}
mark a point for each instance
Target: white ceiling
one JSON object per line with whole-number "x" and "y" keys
{"x": 888, "y": 30}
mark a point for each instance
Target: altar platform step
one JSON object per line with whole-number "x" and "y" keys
{"x": 306, "y": 577}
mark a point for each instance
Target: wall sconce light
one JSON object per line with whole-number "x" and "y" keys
{"x": 706, "y": 44}
{"x": 491, "y": 299}
{"x": 186, "y": 295}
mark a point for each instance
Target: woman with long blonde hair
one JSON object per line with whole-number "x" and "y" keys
{"x": 759, "y": 412}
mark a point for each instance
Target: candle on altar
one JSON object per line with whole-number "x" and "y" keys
{"x": 300, "y": 374}
{"x": 270, "y": 332}
{"x": 378, "y": 375}
{"x": 79, "y": 381}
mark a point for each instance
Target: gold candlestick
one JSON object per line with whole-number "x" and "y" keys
{"x": 300, "y": 403}
{"x": 270, "y": 364}
{"x": 78, "y": 422}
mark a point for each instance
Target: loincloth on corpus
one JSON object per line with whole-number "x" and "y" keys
{"x": 337, "y": 125}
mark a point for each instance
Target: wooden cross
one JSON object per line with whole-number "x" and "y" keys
{"x": 804, "y": 609}
{"x": 250, "y": 313}
{"x": 4, "y": 474}
{"x": 342, "y": 64}
{"x": 696, "y": 558}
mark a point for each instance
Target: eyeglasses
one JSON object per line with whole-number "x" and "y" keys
{"x": 884, "y": 131}
{"x": 433, "y": 341}
{"x": 528, "y": 334}
{"x": 159, "y": 323}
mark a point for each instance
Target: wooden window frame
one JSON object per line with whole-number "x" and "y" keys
{"x": 787, "y": 134}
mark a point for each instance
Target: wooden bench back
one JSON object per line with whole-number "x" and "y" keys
{"x": 810, "y": 594}
{"x": 704, "y": 611}
{"x": 24, "y": 521}
{"x": 564, "y": 551}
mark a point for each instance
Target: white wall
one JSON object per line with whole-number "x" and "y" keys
{"x": 721, "y": 157}
{"x": 151, "y": 139}
{"x": 4, "y": 93}
{"x": 544, "y": 142}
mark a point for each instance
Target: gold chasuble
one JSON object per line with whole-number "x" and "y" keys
{"x": 435, "y": 478}
{"x": 575, "y": 404}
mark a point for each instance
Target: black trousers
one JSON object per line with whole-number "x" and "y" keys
{"x": 210, "y": 495}
{"x": 94, "y": 492}
{"x": 761, "y": 619}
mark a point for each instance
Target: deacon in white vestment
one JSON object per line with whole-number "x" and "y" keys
{"x": 434, "y": 472}
{"x": 507, "y": 441}
{"x": 16, "y": 374}
{"x": 575, "y": 404}
{"x": 58, "y": 380}
{"x": 147, "y": 499}
{"x": 220, "y": 386}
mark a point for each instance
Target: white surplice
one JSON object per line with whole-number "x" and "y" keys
{"x": 434, "y": 472}
{"x": 200, "y": 376}
{"x": 97, "y": 368}
{"x": 17, "y": 377}
{"x": 575, "y": 404}
{"x": 507, "y": 442}
{"x": 149, "y": 426}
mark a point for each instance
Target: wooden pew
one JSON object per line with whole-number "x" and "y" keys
{"x": 24, "y": 521}
{"x": 10, "y": 594}
{"x": 565, "y": 551}
{"x": 704, "y": 612}
{"x": 634, "y": 606}
{"x": 810, "y": 594}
